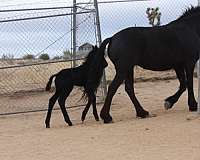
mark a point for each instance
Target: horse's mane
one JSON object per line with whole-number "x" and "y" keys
{"x": 191, "y": 11}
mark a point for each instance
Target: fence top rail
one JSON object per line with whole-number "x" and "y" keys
{"x": 33, "y": 9}
{"x": 65, "y": 7}
{"x": 115, "y": 1}
{"x": 40, "y": 63}
{"x": 39, "y": 17}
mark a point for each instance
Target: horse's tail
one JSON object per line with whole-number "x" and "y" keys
{"x": 48, "y": 86}
{"x": 103, "y": 46}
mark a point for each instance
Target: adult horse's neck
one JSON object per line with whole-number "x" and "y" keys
{"x": 191, "y": 18}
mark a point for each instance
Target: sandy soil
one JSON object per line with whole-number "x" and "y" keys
{"x": 172, "y": 135}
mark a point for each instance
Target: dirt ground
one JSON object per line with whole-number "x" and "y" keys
{"x": 171, "y": 135}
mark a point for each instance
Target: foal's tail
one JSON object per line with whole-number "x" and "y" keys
{"x": 48, "y": 86}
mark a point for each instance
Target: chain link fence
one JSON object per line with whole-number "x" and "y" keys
{"x": 49, "y": 31}
{"x": 36, "y": 43}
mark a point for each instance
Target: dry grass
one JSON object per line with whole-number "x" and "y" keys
{"x": 35, "y": 77}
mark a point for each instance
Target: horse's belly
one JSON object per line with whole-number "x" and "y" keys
{"x": 156, "y": 67}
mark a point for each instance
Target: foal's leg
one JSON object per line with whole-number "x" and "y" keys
{"x": 104, "y": 114}
{"x": 191, "y": 99}
{"x": 94, "y": 107}
{"x": 86, "y": 109}
{"x": 62, "y": 98}
{"x": 170, "y": 101}
{"x": 52, "y": 101}
{"x": 91, "y": 100}
{"x": 140, "y": 112}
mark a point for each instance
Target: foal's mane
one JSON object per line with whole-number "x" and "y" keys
{"x": 89, "y": 58}
{"x": 191, "y": 11}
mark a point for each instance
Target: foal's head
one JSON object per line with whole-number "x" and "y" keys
{"x": 92, "y": 55}
{"x": 94, "y": 80}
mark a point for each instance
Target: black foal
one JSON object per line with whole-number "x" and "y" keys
{"x": 66, "y": 79}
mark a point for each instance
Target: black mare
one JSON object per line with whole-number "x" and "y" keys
{"x": 172, "y": 46}
{"x": 66, "y": 79}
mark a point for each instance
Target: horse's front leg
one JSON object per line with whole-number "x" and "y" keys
{"x": 170, "y": 101}
{"x": 191, "y": 99}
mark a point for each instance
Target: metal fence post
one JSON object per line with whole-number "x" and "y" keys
{"x": 104, "y": 84}
{"x": 198, "y": 75}
{"x": 74, "y": 28}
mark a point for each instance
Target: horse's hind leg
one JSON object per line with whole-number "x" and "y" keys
{"x": 140, "y": 112}
{"x": 62, "y": 98}
{"x": 170, "y": 101}
{"x": 104, "y": 114}
{"x": 52, "y": 101}
{"x": 191, "y": 99}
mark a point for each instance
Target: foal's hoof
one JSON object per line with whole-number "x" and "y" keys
{"x": 97, "y": 118}
{"x": 82, "y": 118}
{"x": 143, "y": 114}
{"x": 192, "y": 109}
{"x": 70, "y": 124}
{"x": 47, "y": 125}
{"x": 167, "y": 105}
{"x": 106, "y": 118}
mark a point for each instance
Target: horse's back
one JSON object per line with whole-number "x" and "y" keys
{"x": 155, "y": 48}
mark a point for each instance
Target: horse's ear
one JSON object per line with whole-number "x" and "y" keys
{"x": 95, "y": 47}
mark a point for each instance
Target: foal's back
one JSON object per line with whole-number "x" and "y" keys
{"x": 74, "y": 76}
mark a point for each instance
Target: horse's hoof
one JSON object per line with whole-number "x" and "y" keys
{"x": 70, "y": 124}
{"x": 167, "y": 105}
{"x": 106, "y": 119}
{"x": 143, "y": 114}
{"x": 97, "y": 119}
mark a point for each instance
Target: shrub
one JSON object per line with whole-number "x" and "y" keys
{"x": 44, "y": 56}
{"x": 29, "y": 56}
{"x": 57, "y": 57}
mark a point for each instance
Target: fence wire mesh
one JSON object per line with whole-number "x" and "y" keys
{"x": 49, "y": 31}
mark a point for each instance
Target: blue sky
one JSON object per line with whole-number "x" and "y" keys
{"x": 32, "y": 37}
